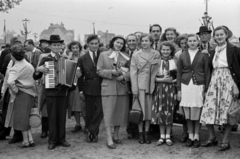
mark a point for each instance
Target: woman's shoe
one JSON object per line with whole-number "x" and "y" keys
{"x": 24, "y": 145}
{"x": 141, "y": 138}
{"x": 32, "y": 144}
{"x": 189, "y": 143}
{"x": 147, "y": 138}
{"x": 224, "y": 146}
{"x": 111, "y": 146}
{"x": 161, "y": 141}
{"x": 169, "y": 142}
{"x": 196, "y": 143}
{"x": 210, "y": 142}
{"x": 117, "y": 141}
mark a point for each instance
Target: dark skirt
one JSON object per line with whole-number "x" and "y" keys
{"x": 164, "y": 101}
{"x": 21, "y": 111}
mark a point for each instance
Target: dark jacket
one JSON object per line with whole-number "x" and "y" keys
{"x": 233, "y": 60}
{"x": 2, "y": 57}
{"x": 91, "y": 80}
{"x": 63, "y": 91}
{"x": 198, "y": 70}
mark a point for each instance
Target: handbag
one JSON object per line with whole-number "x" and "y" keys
{"x": 234, "y": 112}
{"x": 136, "y": 114}
{"x": 34, "y": 118}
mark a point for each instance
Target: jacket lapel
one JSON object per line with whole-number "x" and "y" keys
{"x": 89, "y": 61}
{"x": 111, "y": 60}
{"x": 229, "y": 54}
{"x": 195, "y": 58}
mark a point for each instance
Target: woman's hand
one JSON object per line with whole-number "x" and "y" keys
{"x": 78, "y": 73}
{"x": 42, "y": 69}
{"x": 116, "y": 72}
{"x": 179, "y": 96}
{"x": 120, "y": 78}
{"x": 235, "y": 91}
{"x": 174, "y": 81}
{"x": 168, "y": 79}
{"x": 135, "y": 96}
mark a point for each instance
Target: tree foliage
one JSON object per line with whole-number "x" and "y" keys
{"x": 5, "y": 5}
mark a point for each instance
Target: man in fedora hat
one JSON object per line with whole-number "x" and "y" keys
{"x": 56, "y": 98}
{"x": 205, "y": 37}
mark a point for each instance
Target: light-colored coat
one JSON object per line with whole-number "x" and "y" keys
{"x": 144, "y": 79}
{"x": 110, "y": 86}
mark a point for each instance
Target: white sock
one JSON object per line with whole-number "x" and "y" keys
{"x": 168, "y": 136}
{"x": 191, "y": 136}
{"x": 196, "y": 137}
{"x": 162, "y": 136}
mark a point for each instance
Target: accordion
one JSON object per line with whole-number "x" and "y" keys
{"x": 61, "y": 73}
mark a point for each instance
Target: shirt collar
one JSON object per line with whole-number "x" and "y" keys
{"x": 34, "y": 49}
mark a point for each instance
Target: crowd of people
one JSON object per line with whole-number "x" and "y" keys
{"x": 192, "y": 76}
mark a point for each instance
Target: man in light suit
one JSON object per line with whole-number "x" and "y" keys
{"x": 33, "y": 53}
{"x": 132, "y": 44}
{"x": 156, "y": 30}
{"x": 91, "y": 88}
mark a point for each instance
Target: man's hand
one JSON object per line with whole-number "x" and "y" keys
{"x": 42, "y": 69}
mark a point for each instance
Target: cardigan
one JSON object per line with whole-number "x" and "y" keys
{"x": 198, "y": 70}
{"x": 233, "y": 60}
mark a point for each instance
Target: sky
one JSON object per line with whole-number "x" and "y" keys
{"x": 121, "y": 17}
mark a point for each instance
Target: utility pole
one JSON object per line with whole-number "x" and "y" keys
{"x": 206, "y": 5}
{"x": 94, "y": 28}
{"x": 106, "y": 37}
{"x": 25, "y": 33}
{"x": 5, "y": 32}
{"x": 35, "y": 36}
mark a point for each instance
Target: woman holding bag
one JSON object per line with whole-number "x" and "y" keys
{"x": 143, "y": 70}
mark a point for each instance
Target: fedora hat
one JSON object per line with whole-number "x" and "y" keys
{"x": 55, "y": 39}
{"x": 43, "y": 41}
{"x": 203, "y": 29}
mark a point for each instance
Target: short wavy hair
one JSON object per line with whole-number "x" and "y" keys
{"x": 180, "y": 38}
{"x": 111, "y": 44}
{"x": 193, "y": 35}
{"x": 224, "y": 28}
{"x": 163, "y": 37}
{"x": 150, "y": 37}
{"x": 18, "y": 52}
{"x": 170, "y": 44}
{"x": 74, "y": 43}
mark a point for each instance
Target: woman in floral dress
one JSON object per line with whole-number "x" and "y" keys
{"x": 165, "y": 93}
{"x": 223, "y": 88}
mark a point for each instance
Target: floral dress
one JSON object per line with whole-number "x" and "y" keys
{"x": 164, "y": 96}
{"x": 219, "y": 96}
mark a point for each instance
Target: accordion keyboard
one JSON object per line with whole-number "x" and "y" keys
{"x": 50, "y": 77}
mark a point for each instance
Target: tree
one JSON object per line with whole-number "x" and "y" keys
{"x": 5, "y": 5}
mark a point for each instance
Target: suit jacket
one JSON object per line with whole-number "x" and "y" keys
{"x": 144, "y": 78}
{"x": 210, "y": 47}
{"x": 110, "y": 86}
{"x": 2, "y": 57}
{"x": 33, "y": 57}
{"x": 91, "y": 80}
{"x": 198, "y": 70}
{"x": 233, "y": 60}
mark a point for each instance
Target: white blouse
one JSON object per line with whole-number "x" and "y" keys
{"x": 222, "y": 59}
{"x": 192, "y": 54}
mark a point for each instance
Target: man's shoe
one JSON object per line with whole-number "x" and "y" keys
{"x": 13, "y": 141}
{"x": 64, "y": 144}
{"x": 51, "y": 146}
{"x": 2, "y": 137}
{"x": 77, "y": 128}
{"x": 89, "y": 136}
{"x": 95, "y": 138}
{"x": 44, "y": 135}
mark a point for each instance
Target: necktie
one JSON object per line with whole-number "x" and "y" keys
{"x": 94, "y": 58}
{"x": 131, "y": 53}
{"x": 204, "y": 47}
{"x": 156, "y": 46}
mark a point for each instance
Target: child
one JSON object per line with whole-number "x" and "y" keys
{"x": 165, "y": 93}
